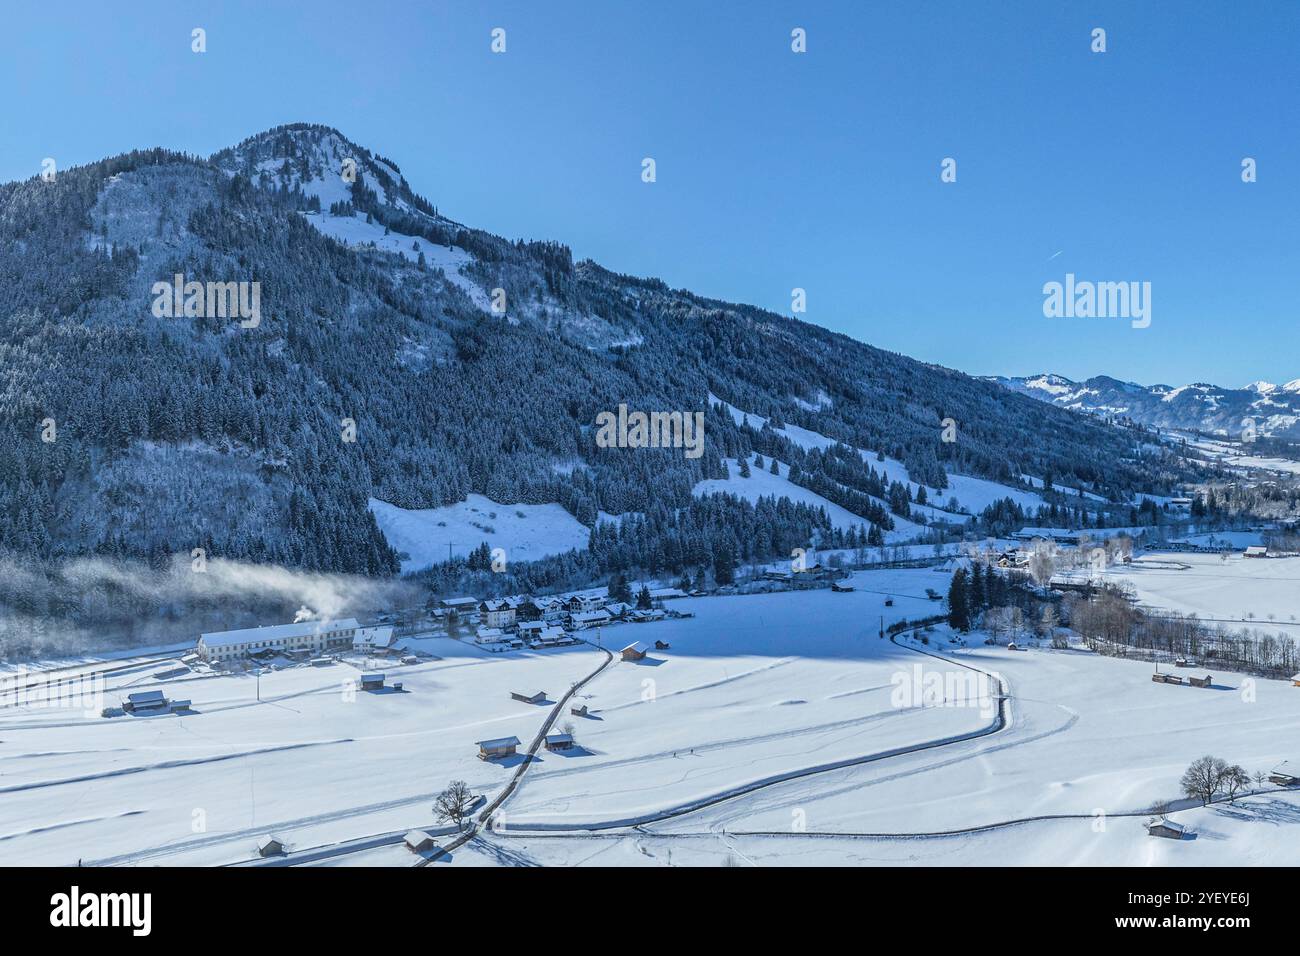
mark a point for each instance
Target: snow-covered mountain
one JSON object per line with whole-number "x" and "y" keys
{"x": 399, "y": 356}
{"x": 1274, "y": 409}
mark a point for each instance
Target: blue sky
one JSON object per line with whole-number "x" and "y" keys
{"x": 775, "y": 170}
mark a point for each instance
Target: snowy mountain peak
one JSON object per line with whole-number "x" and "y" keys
{"x": 1199, "y": 406}
{"x": 325, "y": 164}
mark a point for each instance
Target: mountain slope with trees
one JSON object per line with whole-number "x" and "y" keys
{"x": 127, "y": 434}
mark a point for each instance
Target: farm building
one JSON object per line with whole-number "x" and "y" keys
{"x": 559, "y": 741}
{"x": 1200, "y": 681}
{"x": 417, "y": 841}
{"x": 500, "y": 747}
{"x": 1256, "y": 551}
{"x": 1295, "y": 680}
{"x": 1160, "y": 827}
{"x": 529, "y": 698}
{"x": 662, "y": 645}
{"x": 532, "y": 628}
{"x": 633, "y": 652}
{"x": 578, "y": 710}
{"x": 144, "y": 700}
{"x": 372, "y": 681}
{"x": 269, "y": 846}
{"x": 1284, "y": 775}
{"x": 312, "y": 636}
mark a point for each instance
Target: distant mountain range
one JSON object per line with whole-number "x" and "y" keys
{"x": 1274, "y": 409}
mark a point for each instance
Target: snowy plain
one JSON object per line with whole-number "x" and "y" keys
{"x": 777, "y": 728}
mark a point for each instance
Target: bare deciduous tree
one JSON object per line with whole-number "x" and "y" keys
{"x": 1235, "y": 780}
{"x": 453, "y": 804}
{"x": 1204, "y": 779}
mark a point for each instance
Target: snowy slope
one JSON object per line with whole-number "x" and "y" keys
{"x": 526, "y": 532}
{"x": 972, "y": 494}
{"x": 355, "y": 231}
{"x": 762, "y": 483}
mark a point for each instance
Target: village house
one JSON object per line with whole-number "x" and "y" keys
{"x": 1256, "y": 551}
{"x": 583, "y": 620}
{"x": 551, "y": 637}
{"x": 581, "y": 603}
{"x": 373, "y": 640}
{"x": 498, "y": 612}
{"x": 489, "y": 635}
{"x": 459, "y": 605}
{"x": 311, "y": 636}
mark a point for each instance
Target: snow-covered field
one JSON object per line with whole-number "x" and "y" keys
{"x": 1255, "y": 592}
{"x": 774, "y": 728}
{"x": 1257, "y": 831}
{"x": 309, "y": 762}
{"x": 525, "y": 532}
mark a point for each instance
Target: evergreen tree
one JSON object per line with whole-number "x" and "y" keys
{"x": 958, "y": 602}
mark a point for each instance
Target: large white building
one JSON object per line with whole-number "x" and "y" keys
{"x": 313, "y": 636}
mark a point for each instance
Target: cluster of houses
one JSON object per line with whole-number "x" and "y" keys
{"x": 512, "y": 623}
{"x": 499, "y": 624}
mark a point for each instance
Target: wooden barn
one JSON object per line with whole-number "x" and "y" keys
{"x": 1200, "y": 681}
{"x": 269, "y": 846}
{"x": 417, "y": 841}
{"x": 578, "y": 710}
{"x": 500, "y": 747}
{"x": 559, "y": 741}
{"x": 633, "y": 652}
{"x": 145, "y": 700}
{"x": 1284, "y": 775}
{"x": 372, "y": 681}
{"x": 1160, "y": 827}
{"x": 536, "y": 698}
